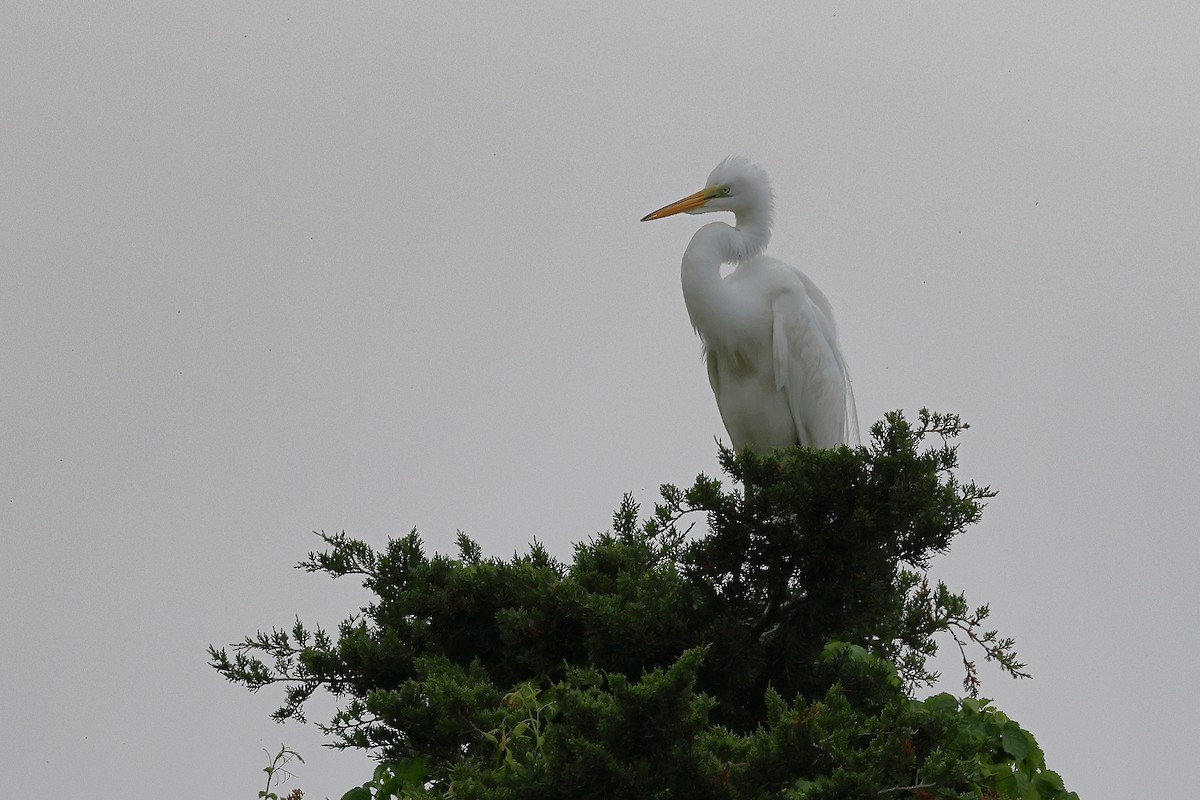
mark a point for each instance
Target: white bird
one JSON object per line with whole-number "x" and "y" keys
{"x": 769, "y": 337}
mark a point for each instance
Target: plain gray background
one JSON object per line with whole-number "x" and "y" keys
{"x": 275, "y": 268}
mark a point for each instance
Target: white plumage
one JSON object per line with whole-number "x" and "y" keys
{"x": 769, "y": 336}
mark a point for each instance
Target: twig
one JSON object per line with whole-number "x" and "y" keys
{"x": 906, "y": 788}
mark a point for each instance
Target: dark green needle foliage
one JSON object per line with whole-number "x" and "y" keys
{"x": 764, "y": 638}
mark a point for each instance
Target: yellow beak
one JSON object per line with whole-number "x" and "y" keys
{"x": 692, "y": 201}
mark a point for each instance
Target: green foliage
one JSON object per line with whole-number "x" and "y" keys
{"x": 773, "y": 653}
{"x": 404, "y": 779}
{"x": 277, "y": 773}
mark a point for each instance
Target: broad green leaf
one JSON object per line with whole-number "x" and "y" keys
{"x": 941, "y": 702}
{"x": 357, "y": 793}
{"x": 412, "y": 772}
{"x": 1051, "y": 779}
{"x": 1015, "y": 742}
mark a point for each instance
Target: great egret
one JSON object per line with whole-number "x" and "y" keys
{"x": 768, "y": 332}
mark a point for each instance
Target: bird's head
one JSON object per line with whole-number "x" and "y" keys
{"x": 736, "y": 185}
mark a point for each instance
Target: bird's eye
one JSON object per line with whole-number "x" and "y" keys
{"x": 724, "y": 190}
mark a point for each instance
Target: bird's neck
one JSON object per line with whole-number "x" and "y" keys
{"x": 728, "y": 244}
{"x": 715, "y": 244}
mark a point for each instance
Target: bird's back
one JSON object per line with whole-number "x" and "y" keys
{"x": 782, "y": 379}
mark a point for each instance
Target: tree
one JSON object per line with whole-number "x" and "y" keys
{"x": 775, "y": 652}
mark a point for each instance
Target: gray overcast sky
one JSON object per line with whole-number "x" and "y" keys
{"x": 271, "y": 268}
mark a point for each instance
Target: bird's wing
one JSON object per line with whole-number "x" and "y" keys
{"x": 810, "y": 369}
{"x": 710, "y": 360}
{"x": 850, "y": 434}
